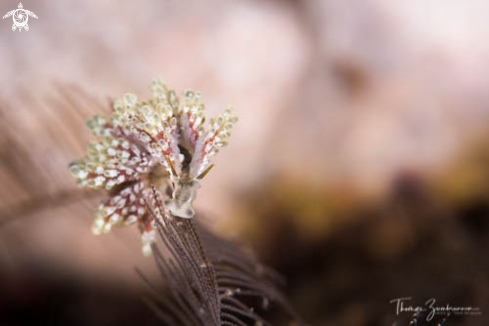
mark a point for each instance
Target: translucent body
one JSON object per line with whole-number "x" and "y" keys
{"x": 184, "y": 193}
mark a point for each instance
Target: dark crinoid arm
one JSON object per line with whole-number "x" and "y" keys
{"x": 207, "y": 281}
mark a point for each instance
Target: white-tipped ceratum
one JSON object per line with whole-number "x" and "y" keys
{"x": 142, "y": 144}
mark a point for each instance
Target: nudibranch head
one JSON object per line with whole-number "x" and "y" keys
{"x": 184, "y": 194}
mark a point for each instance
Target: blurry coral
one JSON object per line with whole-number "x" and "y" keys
{"x": 350, "y": 256}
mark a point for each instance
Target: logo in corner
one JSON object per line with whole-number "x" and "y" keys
{"x": 20, "y": 17}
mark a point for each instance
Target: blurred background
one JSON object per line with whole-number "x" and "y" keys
{"x": 359, "y": 168}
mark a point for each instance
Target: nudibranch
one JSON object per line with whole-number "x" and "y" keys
{"x": 157, "y": 142}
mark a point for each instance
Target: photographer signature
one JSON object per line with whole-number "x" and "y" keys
{"x": 432, "y": 309}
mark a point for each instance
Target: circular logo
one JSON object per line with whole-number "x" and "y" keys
{"x": 20, "y": 18}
